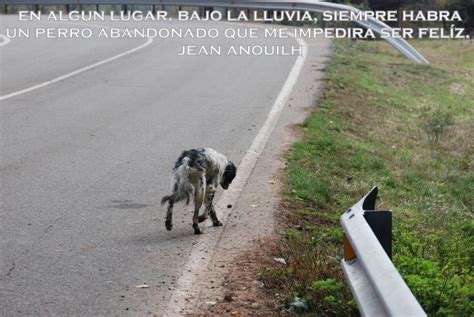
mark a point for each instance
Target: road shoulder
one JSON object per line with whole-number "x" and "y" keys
{"x": 228, "y": 285}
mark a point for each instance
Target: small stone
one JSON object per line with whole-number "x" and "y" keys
{"x": 255, "y": 305}
{"x": 280, "y": 260}
{"x": 211, "y": 303}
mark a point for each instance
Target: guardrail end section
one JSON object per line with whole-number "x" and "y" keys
{"x": 370, "y": 199}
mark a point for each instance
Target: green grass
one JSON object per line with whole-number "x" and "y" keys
{"x": 409, "y": 129}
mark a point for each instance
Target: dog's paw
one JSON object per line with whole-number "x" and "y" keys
{"x": 202, "y": 218}
{"x": 197, "y": 230}
{"x": 217, "y": 223}
{"x": 168, "y": 225}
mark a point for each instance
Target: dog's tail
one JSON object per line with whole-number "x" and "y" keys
{"x": 182, "y": 187}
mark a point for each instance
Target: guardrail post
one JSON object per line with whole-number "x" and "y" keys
{"x": 380, "y": 221}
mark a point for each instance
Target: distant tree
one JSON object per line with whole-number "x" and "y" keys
{"x": 464, "y": 7}
{"x": 354, "y": 2}
{"x": 466, "y": 10}
{"x": 385, "y": 5}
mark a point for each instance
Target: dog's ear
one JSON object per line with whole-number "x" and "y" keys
{"x": 230, "y": 171}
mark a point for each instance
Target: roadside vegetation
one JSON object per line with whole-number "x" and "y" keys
{"x": 408, "y": 129}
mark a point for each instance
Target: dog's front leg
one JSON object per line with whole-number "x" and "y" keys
{"x": 215, "y": 221}
{"x": 198, "y": 200}
{"x": 210, "y": 190}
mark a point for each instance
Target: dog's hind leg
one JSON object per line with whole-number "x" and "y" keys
{"x": 171, "y": 199}
{"x": 199, "y": 193}
{"x": 169, "y": 216}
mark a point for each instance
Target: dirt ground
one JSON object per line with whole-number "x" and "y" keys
{"x": 243, "y": 294}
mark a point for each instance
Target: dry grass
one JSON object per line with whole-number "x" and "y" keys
{"x": 375, "y": 126}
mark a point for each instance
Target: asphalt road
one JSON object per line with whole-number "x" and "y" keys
{"x": 84, "y": 162}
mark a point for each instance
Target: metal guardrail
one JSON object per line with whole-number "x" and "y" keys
{"x": 309, "y": 5}
{"x": 378, "y": 288}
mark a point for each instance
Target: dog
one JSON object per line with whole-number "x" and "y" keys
{"x": 198, "y": 173}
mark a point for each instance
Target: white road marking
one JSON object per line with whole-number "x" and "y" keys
{"x": 203, "y": 250}
{"x": 5, "y": 40}
{"x": 76, "y": 72}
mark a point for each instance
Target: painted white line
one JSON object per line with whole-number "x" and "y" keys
{"x": 204, "y": 249}
{"x": 76, "y": 72}
{"x": 5, "y": 40}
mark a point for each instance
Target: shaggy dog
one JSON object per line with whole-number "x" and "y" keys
{"x": 199, "y": 172}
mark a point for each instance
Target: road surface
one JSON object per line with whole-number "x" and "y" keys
{"x": 85, "y": 160}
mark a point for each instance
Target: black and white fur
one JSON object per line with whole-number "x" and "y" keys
{"x": 198, "y": 173}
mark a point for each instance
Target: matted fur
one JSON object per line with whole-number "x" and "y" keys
{"x": 197, "y": 173}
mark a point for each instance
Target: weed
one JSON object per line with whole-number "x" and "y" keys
{"x": 435, "y": 121}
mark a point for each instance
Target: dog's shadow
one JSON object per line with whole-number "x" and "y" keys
{"x": 162, "y": 236}
{"x": 159, "y": 235}
{"x": 127, "y": 204}
{"x": 181, "y": 233}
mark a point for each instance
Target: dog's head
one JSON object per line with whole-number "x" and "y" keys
{"x": 229, "y": 175}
